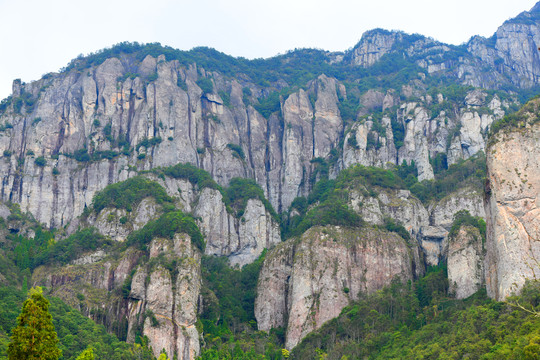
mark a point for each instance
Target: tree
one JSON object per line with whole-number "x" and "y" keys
{"x": 34, "y": 337}
{"x": 87, "y": 354}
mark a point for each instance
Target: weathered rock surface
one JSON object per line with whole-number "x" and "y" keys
{"x": 513, "y": 209}
{"x": 307, "y": 281}
{"x": 241, "y": 239}
{"x": 164, "y": 296}
{"x": 162, "y": 303}
{"x": 93, "y": 284}
{"x": 465, "y": 262}
{"x": 158, "y": 120}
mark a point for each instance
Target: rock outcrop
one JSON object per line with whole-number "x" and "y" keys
{"x": 86, "y": 131}
{"x": 305, "y": 282}
{"x": 465, "y": 262}
{"x": 513, "y": 205}
{"x": 162, "y": 303}
{"x": 164, "y": 297}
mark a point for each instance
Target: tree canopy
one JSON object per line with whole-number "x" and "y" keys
{"x": 35, "y": 336}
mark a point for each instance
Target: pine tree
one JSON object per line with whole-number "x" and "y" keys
{"x": 34, "y": 337}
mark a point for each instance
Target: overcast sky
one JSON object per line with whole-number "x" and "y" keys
{"x": 40, "y": 36}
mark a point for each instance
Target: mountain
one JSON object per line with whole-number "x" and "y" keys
{"x": 139, "y": 180}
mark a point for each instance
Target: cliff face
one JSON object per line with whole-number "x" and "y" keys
{"x": 162, "y": 124}
{"x": 162, "y": 302}
{"x": 465, "y": 262}
{"x": 164, "y": 297}
{"x": 307, "y": 281}
{"x": 508, "y": 58}
{"x": 87, "y": 130}
{"x": 69, "y": 135}
{"x": 512, "y": 205}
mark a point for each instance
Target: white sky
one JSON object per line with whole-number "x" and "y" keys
{"x": 40, "y": 36}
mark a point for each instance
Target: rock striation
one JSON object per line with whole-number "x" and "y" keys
{"x": 164, "y": 298}
{"x": 154, "y": 295}
{"x": 513, "y": 205}
{"x": 465, "y": 262}
{"x": 306, "y": 281}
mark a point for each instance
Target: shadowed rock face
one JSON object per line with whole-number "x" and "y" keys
{"x": 513, "y": 209}
{"x": 305, "y": 282}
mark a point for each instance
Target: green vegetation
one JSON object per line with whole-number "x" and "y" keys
{"x": 327, "y": 202}
{"x": 193, "y": 174}
{"x": 129, "y": 193}
{"x": 269, "y": 105}
{"x": 25, "y": 99}
{"x": 34, "y": 336}
{"x": 527, "y": 115}
{"x": 206, "y": 85}
{"x": 228, "y": 320}
{"x": 470, "y": 172}
{"x": 64, "y": 251}
{"x": 226, "y": 97}
{"x": 237, "y": 151}
{"x": 75, "y": 331}
{"x": 148, "y": 142}
{"x": 420, "y": 321}
{"x": 166, "y": 226}
{"x": 463, "y": 217}
{"x": 240, "y": 190}
{"x": 40, "y": 161}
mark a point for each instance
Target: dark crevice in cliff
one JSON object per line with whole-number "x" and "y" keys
{"x": 154, "y": 111}
{"x": 173, "y": 317}
{"x": 55, "y": 193}
{"x": 249, "y": 143}
{"x": 131, "y": 114}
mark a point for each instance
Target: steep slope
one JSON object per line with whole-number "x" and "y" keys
{"x": 307, "y": 281}
{"x": 142, "y": 163}
{"x": 512, "y": 202}
{"x": 117, "y": 112}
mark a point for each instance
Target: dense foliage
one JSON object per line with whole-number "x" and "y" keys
{"x": 295, "y": 68}
{"x": 166, "y": 226}
{"x": 420, "y": 321}
{"x": 327, "y": 204}
{"x": 470, "y": 172}
{"x": 228, "y": 320}
{"x": 19, "y": 255}
{"x": 129, "y": 193}
{"x": 66, "y": 250}
{"x": 463, "y": 218}
{"x": 34, "y": 336}
{"x": 196, "y": 176}
{"x": 240, "y": 190}
{"x": 528, "y": 114}
{"x": 75, "y": 331}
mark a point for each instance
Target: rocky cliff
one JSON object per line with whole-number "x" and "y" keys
{"x": 152, "y": 294}
{"x": 509, "y": 58}
{"x": 306, "y": 281}
{"x": 512, "y": 204}
{"x": 71, "y": 134}
{"x": 465, "y": 262}
{"x": 405, "y": 103}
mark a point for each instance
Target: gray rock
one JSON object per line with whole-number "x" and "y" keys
{"x": 512, "y": 211}
{"x": 465, "y": 262}
{"x": 308, "y": 281}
